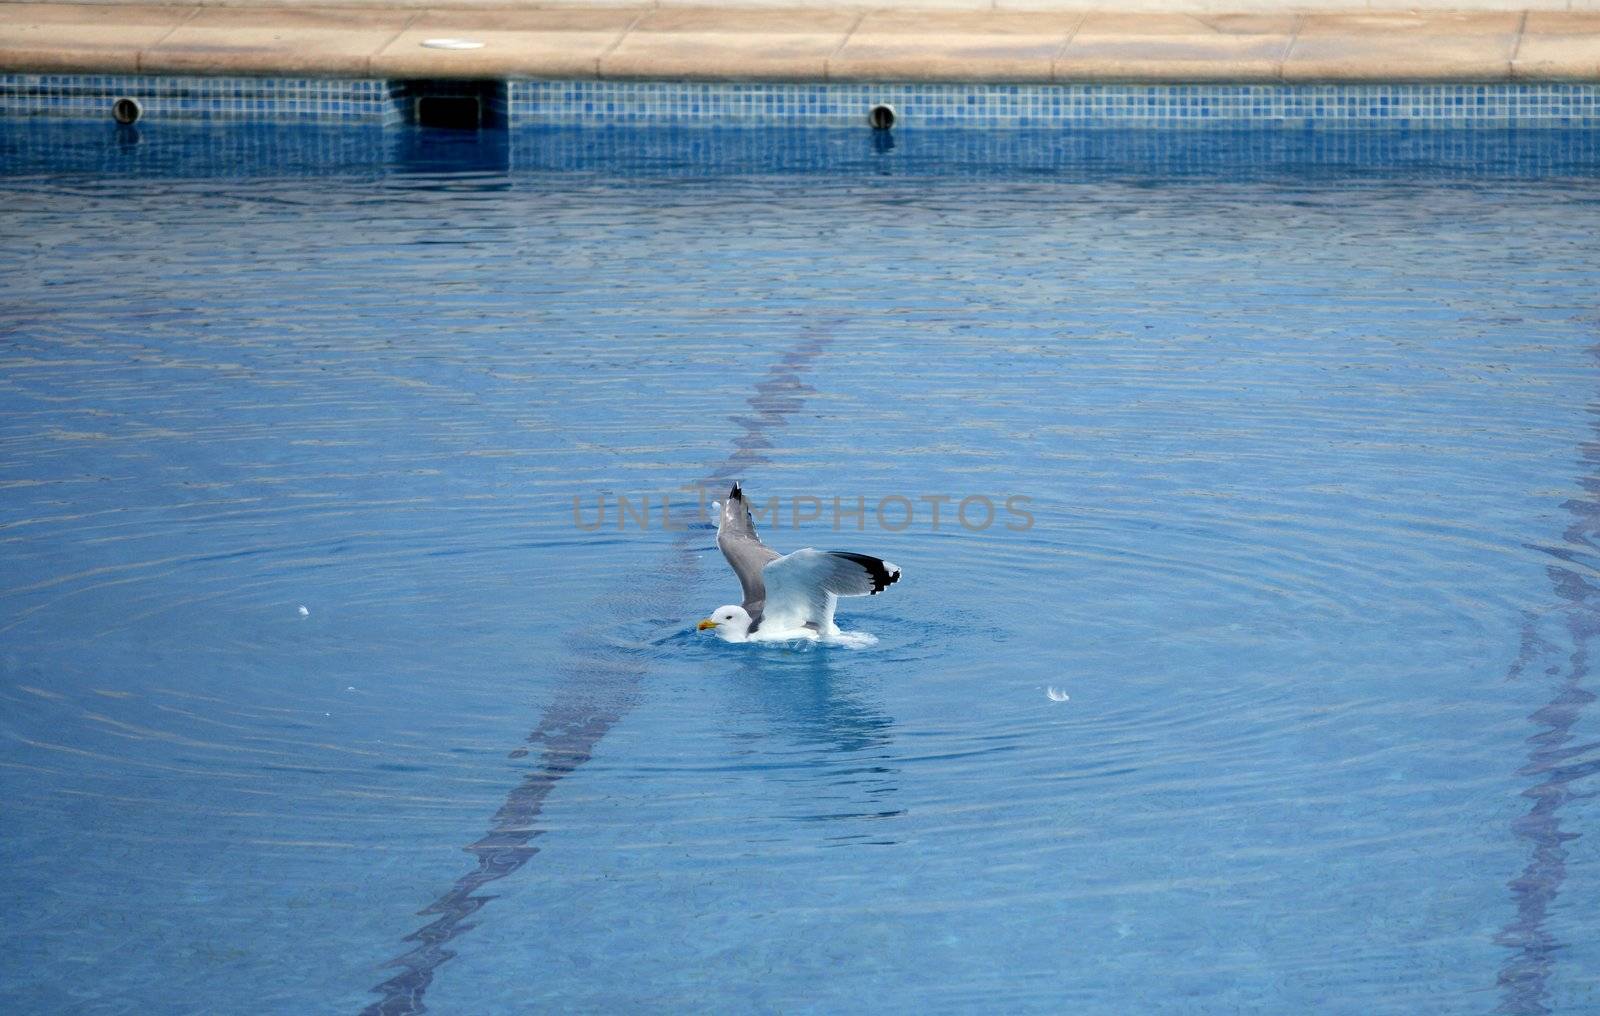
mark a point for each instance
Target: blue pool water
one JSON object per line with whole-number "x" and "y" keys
{"x": 1306, "y": 429}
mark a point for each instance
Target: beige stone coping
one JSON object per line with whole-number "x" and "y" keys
{"x": 801, "y": 44}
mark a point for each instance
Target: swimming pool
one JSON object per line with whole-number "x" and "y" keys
{"x": 1304, "y": 425}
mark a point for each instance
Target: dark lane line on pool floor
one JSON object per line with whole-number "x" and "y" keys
{"x": 591, "y": 699}
{"x": 1524, "y": 978}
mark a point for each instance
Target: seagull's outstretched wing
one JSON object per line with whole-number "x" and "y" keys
{"x": 737, "y": 539}
{"x": 803, "y": 587}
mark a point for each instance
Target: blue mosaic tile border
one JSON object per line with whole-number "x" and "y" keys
{"x": 1082, "y": 106}
{"x": 89, "y": 97}
{"x": 695, "y": 104}
{"x": 197, "y": 150}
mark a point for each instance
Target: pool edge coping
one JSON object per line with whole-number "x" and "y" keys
{"x": 803, "y": 45}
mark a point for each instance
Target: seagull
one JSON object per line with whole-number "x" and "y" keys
{"x": 787, "y": 596}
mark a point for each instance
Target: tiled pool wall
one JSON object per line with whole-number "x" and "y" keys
{"x": 272, "y": 100}
{"x": 999, "y": 106}
{"x": 192, "y": 150}
{"x": 697, "y": 104}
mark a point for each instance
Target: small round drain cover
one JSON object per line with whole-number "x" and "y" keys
{"x": 451, "y": 44}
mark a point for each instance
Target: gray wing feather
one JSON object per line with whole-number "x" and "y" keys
{"x": 746, "y": 554}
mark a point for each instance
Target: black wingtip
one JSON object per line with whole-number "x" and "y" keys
{"x": 735, "y": 492}
{"x": 883, "y": 573}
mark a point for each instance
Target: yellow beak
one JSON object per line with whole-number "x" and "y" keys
{"x": 707, "y": 623}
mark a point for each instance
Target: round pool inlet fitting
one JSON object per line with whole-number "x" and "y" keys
{"x": 126, "y": 111}
{"x": 881, "y": 116}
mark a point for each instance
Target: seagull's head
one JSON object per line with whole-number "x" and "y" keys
{"x": 731, "y": 622}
